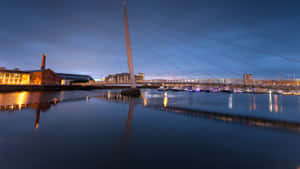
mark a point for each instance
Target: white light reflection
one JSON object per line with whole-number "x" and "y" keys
{"x": 61, "y": 96}
{"x": 230, "y": 101}
{"x": 270, "y": 102}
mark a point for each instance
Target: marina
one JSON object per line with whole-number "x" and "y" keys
{"x": 99, "y": 122}
{"x": 231, "y": 90}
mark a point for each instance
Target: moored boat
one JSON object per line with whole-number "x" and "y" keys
{"x": 226, "y": 90}
{"x": 214, "y": 90}
{"x": 237, "y": 90}
{"x": 176, "y": 89}
{"x": 162, "y": 88}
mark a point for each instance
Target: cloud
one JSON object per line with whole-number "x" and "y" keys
{"x": 212, "y": 37}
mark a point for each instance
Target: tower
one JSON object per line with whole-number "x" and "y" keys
{"x": 43, "y": 65}
{"x": 128, "y": 48}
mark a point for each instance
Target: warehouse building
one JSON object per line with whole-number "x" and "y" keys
{"x": 42, "y": 76}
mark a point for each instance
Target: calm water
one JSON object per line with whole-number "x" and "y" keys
{"x": 100, "y": 129}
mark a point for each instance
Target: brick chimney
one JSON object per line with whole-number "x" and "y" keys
{"x": 43, "y": 65}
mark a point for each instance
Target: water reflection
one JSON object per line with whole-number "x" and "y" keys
{"x": 37, "y": 118}
{"x": 226, "y": 117}
{"x": 230, "y": 101}
{"x": 275, "y": 103}
{"x": 61, "y": 95}
{"x": 299, "y": 104}
{"x": 270, "y": 102}
{"x": 22, "y": 98}
{"x": 129, "y": 121}
{"x": 42, "y": 101}
{"x": 19, "y": 101}
{"x": 252, "y": 103}
{"x": 40, "y": 107}
{"x": 145, "y": 98}
{"x": 165, "y": 102}
{"x": 95, "y": 133}
{"x": 108, "y": 94}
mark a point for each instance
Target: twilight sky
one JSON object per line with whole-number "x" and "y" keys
{"x": 170, "y": 38}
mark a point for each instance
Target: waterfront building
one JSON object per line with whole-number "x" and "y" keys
{"x": 68, "y": 79}
{"x": 248, "y": 78}
{"x": 42, "y": 76}
{"x": 32, "y": 77}
{"x": 278, "y": 82}
{"x": 123, "y": 78}
{"x": 14, "y": 77}
{"x": 140, "y": 77}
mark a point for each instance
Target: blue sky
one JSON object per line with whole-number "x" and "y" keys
{"x": 170, "y": 38}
